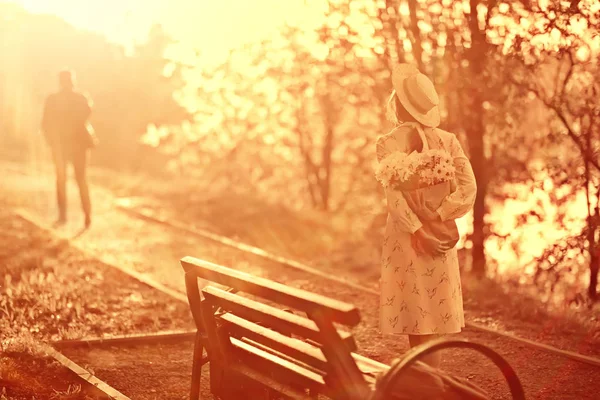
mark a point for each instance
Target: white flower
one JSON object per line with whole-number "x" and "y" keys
{"x": 437, "y": 167}
{"x": 391, "y": 167}
{"x": 432, "y": 167}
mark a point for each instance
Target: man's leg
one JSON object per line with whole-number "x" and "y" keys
{"x": 80, "y": 166}
{"x": 60, "y": 165}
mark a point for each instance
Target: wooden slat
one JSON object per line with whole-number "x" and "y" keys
{"x": 285, "y": 370}
{"x": 294, "y": 348}
{"x": 369, "y": 368}
{"x": 266, "y": 380}
{"x": 334, "y": 310}
{"x": 296, "y": 351}
{"x": 271, "y": 316}
{"x": 367, "y": 365}
{"x": 281, "y": 355}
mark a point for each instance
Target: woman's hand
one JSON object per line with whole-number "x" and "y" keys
{"x": 423, "y": 243}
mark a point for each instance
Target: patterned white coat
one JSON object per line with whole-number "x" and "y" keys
{"x": 422, "y": 294}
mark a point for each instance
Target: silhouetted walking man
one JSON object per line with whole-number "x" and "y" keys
{"x": 67, "y": 131}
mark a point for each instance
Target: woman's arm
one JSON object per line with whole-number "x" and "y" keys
{"x": 459, "y": 202}
{"x": 403, "y": 218}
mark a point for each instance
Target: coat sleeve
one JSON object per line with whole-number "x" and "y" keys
{"x": 459, "y": 202}
{"x": 46, "y": 118}
{"x": 46, "y": 114}
{"x": 86, "y": 107}
{"x": 403, "y": 217}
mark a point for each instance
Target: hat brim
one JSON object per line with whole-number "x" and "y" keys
{"x": 399, "y": 75}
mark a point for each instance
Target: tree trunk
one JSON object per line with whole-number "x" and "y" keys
{"x": 594, "y": 268}
{"x": 326, "y": 168}
{"x": 591, "y": 220}
{"x": 416, "y": 34}
{"x": 593, "y": 250}
{"x": 475, "y": 132}
{"x": 479, "y": 228}
{"x": 594, "y": 259}
{"x": 389, "y": 19}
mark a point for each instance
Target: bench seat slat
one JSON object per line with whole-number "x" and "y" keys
{"x": 369, "y": 365}
{"x": 291, "y": 347}
{"x": 281, "y": 355}
{"x": 270, "y": 316}
{"x": 308, "y": 302}
{"x": 283, "y": 369}
{"x": 295, "y": 350}
{"x": 266, "y": 380}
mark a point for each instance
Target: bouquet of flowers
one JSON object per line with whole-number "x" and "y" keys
{"x": 424, "y": 179}
{"x": 401, "y": 170}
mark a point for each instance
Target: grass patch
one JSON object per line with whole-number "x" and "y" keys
{"x": 28, "y": 373}
{"x": 24, "y": 376}
{"x": 51, "y": 291}
{"x": 516, "y": 309}
{"x": 54, "y": 292}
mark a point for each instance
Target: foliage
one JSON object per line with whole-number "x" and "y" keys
{"x": 499, "y": 59}
{"x": 555, "y": 62}
{"x": 291, "y": 115}
{"x": 297, "y": 114}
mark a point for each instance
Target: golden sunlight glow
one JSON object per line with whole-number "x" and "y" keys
{"x": 209, "y": 26}
{"x": 118, "y": 20}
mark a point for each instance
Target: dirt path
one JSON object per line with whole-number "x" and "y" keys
{"x": 117, "y": 238}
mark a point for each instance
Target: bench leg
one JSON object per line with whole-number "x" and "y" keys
{"x": 197, "y": 367}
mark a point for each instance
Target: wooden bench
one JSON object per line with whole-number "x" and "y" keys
{"x": 258, "y": 347}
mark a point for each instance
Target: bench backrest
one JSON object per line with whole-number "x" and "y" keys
{"x": 311, "y": 349}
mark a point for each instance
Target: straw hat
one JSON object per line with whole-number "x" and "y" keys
{"x": 417, "y": 94}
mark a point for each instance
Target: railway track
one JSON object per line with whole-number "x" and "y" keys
{"x": 255, "y": 251}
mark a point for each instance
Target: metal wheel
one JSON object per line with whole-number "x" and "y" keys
{"x": 386, "y": 384}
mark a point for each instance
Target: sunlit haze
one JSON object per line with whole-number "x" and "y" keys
{"x": 300, "y": 198}
{"x": 211, "y": 27}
